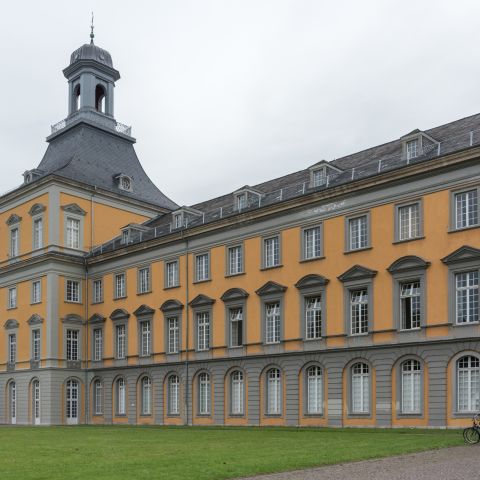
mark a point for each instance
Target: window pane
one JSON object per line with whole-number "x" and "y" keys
{"x": 203, "y": 325}
{"x": 271, "y": 251}
{"x": 409, "y": 221}
{"x": 173, "y": 335}
{"x": 311, "y": 239}
{"x": 237, "y": 393}
{"x": 468, "y": 381}
{"x": 314, "y": 390}
{"x": 204, "y": 393}
{"x": 173, "y": 395}
{"x": 359, "y": 311}
{"x": 272, "y": 319}
{"x": 410, "y": 305}
{"x": 236, "y": 327}
{"x": 360, "y": 388}
{"x": 313, "y": 317}
{"x": 274, "y": 392}
{"x": 466, "y": 209}
{"x": 358, "y": 232}
{"x": 467, "y": 303}
{"x": 201, "y": 267}
{"x": 235, "y": 260}
{"x": 411, "y": 381}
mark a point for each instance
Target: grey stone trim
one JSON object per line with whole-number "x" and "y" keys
{"x": 407, "y": 264}
{"x": 270, "y": 288}
{"x": 119, "y": 314}
{"x": 13, "y": 219}
{"x": 347, "y": 220}
{"x": 36, "y": 209}
{"x": 453, "y": 218}
{"x": 171, "y": 306}
{"x": 461, "y": 255}
{"x": 96, "y": 319}
{"x": 74, "y": 209}
{"x": 11, "y": 324}
{"x": 201, "y": 301}
{"x": 396, "y": 224}
{"x": 312, "y": 281}
{"x": 144, "y": 310}
{"x": 357, "y": 272}
{"x": 35, "y": 319}
{"x": 234, "y": 294}
{"x": 303, "y": 257}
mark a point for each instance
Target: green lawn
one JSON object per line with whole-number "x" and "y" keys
{"x": 135, "y": 453}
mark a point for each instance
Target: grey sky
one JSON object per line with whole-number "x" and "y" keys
{"x": 223, "y": 93}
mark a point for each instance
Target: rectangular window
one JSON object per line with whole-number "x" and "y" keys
{"x": 36, "y": 291}
{"x": 36, "y": 344}
{"x": 121, "y": 334}
{"x": 241, "y": 201}
{"x": 12, "y": 297}
{"x": 12, "y": 348}
{"x": 272, "y": 322}
{"x": 311, "y": 243}
{"x": 410, "y": 301}
{"x": 178, "y": 220}
{"x": 73, "y": 291}
{"x": 203, "y": 326}
{"x": 409, "y": 221}
{"x": 235, "y": 260}
{"x": 359, "y": 311}
{"x": 467, "y": 289}
{"x": 173, "y": 335}
{"x": 360, "y": 388}
{"x": 271, "y": 252}
{"x": 319, "y": 177}
{"x": 125, "y": 237}
{"x": 236, "y": 327}
{"x": 98, "y": 397}
{"x": 144, "y": 280}
{"x": 171, "y": 274}
{"x": 73, "y": 232}
{"x": 98, "y": 291}
{"x": 14, "y": 242}
{"x": 358, "y": 232}
{"x": 466, "y": 209}
{"x": 37, "y": 233}
{"x": 202, "y": 268}
{"x": 72, "y": 345}
{"x": 313, "y": 317}
{"x": 412, "y": 149}
{"x": 97, "y": 344}
{"x": 120, "y": 290}
{"x": 145, "y": 339}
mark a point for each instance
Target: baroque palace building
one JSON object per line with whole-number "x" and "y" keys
{"x": 344, "y": 294}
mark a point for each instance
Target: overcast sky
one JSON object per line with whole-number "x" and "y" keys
{"x": 223, "y": 93}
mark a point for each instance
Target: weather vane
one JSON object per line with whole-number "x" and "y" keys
{"x": 91, "y": 30}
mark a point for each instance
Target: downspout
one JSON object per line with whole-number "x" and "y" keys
{"x": 187, "y": 330}
{"x": 87, "y": 389}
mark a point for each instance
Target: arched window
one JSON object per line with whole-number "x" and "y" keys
{"x": 97, "y": 397}
{"x": 146, "y": 396}
{"x": 411, "y": 387}
{"x": 274, "y": 392}
{"x": 468, "y": 382}
{"x": 204, "y": 393}
{"x": 237, "y": 393}
{"x": 173, "y": 393}
{"x": 100, "y": 99}
{"x": 360, "y": 388}
{"x": 12, "y": 402}
{"x": 121, "y": 392}
{"x": 76, "y": 98}
{"x": 314, "y": 390}
{"x": 72, "y": 401}
{"x": 36, "y": 402}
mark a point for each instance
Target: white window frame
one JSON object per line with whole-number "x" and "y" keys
{"x": 409, "y": 218}
{"x": 235, "y": 260}
{"x": 204, "y": 394}
{"x": 412, "y": 295}
{"x": 360, "y": 388}
{"x": 97, "y": 290}
{"x": 173, "y": 392}
{"x": 121, "y": 397}
{"x": 73, "y": 291}
{"x": 359, "y": 310}
{"x": 471, "y": 216}
{"x": 173, "y": 332}
{"x": 73, "y": 232}
{"x": 97, "y": 397}
{"x": 202, "y": 267}
{"x": 273, "y": 321}
{"x": 271, "y": 251}
{"x": 237, "y": 395}
{"x": 412, "y": 148}
{"x": 37, "y": 232}
{"x": 235, "y": 317}
{"x": 15, "y": 241}
{"x": 468, "y": 401}
{"x": 273, "y": 379}
{"x": 411, "y": 385}
{"x": 36, "y": 291}
{"x": 472, "y": 293}
{"x": 312, "y": 247}
{"x": 172, "y": 270}
{"x": 12, "y": 297}
{"x": 144, "y": 280}
{"x": 97, "y": 344}
{"x": 146, "y": 394}
{"x": 314, "y": 377}
{"x": 121, "y": 341}
{"x": 145, "y": 338}
{"x": 203, "y": 330}
{"x": 313, "y": 316}
{"x": 36, "y": 344}
{"x": 358, "y": 232}
{"x": 120, "y": 285}
{"x": 72, "y": 345}
{"x": 12, "y": 348}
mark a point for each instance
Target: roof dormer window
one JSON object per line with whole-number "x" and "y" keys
{"x": 125, "y": 236}
{"x": 124, "y": 182}
{"x": 241, "y": 201}
{"x": 319, "y": 177}
{"x": 178, "y": 220}
{"x": 320, "y": 172}
{"x": 246, "y": 197}
{"x": 412, "y": 149}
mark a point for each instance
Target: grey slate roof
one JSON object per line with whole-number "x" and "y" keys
{"x": 94, "y": 157}
{"x": 90, "y": 51}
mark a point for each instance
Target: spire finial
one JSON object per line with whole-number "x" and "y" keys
{"x": 91, "y": 31}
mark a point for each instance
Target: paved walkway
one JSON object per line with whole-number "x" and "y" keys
{"x": 456, "y": 463}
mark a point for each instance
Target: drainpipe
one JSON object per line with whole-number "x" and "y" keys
{"x": 87, "y": 390}
{"x": 187, "y": 322}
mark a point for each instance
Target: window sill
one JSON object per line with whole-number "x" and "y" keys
{"x": 409, "y": 415}
{"x": 465, "y": 324}
{"x": 273, "y": 415}
{"x": 306, "y": 260}
{"x": 71, "y": 301}
{"x": 313, "y": 415}
{"x": 236, "y": 347}
{"x": 359, "y": 415}
{"x": 12, "y": 308}
{"x": 455, "y": 230}
{"x": 36, "y": 303}
{"x": 363, "y": 249}
{"x": 354, "y": 335}
{"x": 173, "y": 415}
{"x": 202, "y": 281}
{"x": 407, "y": 330}
{"x": 316, "y": 339}
{"x": 97, "y": 303}
{"x": 228, "y": 275}
{"x": 145, "y": 415}
{"x": 270, "y": 268}
{"x": 171, "y": 287}
{"x": 120, "y": 415}
{"x": 396, "y": 242}
{"x": 119, "y": 298}
{"x": 144, "y": 293}
{"x": 203, "y": 415}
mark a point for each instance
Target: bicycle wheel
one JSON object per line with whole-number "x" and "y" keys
{"x": 471, "y": 435}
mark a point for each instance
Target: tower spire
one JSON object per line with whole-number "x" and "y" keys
{"x": 91, "y": 31}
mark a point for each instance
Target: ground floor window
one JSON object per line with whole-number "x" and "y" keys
{"x": 146, "y": 396}
{"x": 237, "y": 396}
{"x": 411, "y": 387}
{"x": 360, "y": 388}
{"x": 72, "y": 401}
{"x": 12, "y": 400}
{"x": 97, "y": 397}
{"x": 274, "y": 392}
{"x": 36, "y": 402}
{"x": 173, "y": 395}
{"x": 121, "y": 396}
{"x": 314, "y": 390}
{"x": 204, "y": 393}
{"x": 468, "y": 384}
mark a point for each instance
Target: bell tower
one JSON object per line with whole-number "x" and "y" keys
{"x": 91, "y": 80}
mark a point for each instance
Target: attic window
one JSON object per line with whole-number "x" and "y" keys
{"x": 178, "y": 220}
{"x": 28, "y": 178}
{"x": 241, "y": 201}
{"x": 412, "y": 149}
{"x": 124, "y": 183}
{"x": 319, "y": 177}
{"x": 125, "y": 236}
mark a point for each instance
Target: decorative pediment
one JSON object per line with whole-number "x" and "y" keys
{"x": 311, "y": 281}
{"x": 462, "y": 254}
{"x": 357, "y": 272}
{"x": 96, "y": 318}
{"x": 270, "y": 288}
{"x": 73, "y": 319}
{"x": 10, "y": 324}
{"x": 234, "y": 294}
{"x": 201, "y": 301}
{"x": 143, "y": 310}
{"x": 36, "y": 209}
{"x": 13, "y": 219}
{"x": 74, "y": 208}
{"x": 171, "y": 305}
{"x": 408, "y": 263}
{"x": 35, "y": 319}
{"x": 119, "y": 314}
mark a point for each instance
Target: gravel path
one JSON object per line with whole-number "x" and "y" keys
{"x": 456, "y": 463}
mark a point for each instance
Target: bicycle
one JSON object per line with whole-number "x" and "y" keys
{"x": 471, "y": 434}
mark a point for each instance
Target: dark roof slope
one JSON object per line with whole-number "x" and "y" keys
{"x": 94, "y": 157}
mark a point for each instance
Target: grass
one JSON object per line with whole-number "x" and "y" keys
{"x": 174, "y": 453}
